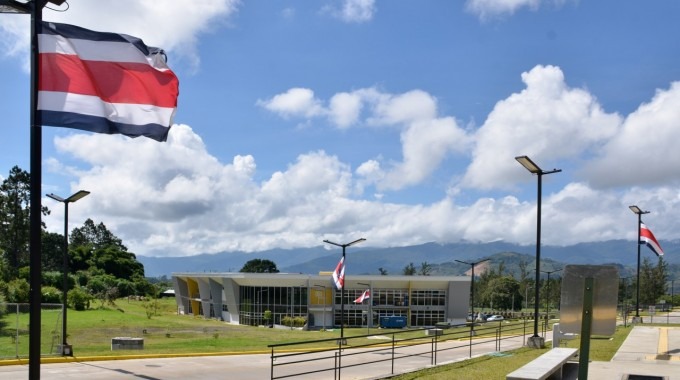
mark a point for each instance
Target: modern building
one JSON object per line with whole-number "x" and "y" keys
{"x": 245, "y": 298}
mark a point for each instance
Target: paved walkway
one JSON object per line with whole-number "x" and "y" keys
{"x": 648, "y": 351}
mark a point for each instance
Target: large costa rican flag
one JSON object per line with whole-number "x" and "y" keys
{"x": 104, "y": 82}
{"x": 339, "y": 274}
{"x": 647, "y": 237}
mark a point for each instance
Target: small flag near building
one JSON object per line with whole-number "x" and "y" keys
{"x": 647, "y": 237}
{"x": 364, "y": 296}
{"x": 339, "y": 274}
{"x": 104, "y": 82}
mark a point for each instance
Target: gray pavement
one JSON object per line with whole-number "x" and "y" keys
{"x": 648, "y": 351}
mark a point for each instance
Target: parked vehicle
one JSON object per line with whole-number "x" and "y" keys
{"x": 494, "y": 318}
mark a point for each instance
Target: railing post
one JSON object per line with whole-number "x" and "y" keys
{"x": 470, "y": 338}
{"x": 340, "y": 358}
{"x": 16, "y": 344}
{"x": 335, "y": 366}
{"x": 498, "y": 338}
{"x": 393, "y": 353}
{"x": 272, "y": 366}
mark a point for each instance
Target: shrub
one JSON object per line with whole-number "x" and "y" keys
{"x": 79, "y": 299}
{"x": 18, "y": 291}
{"x": 50, "y": 294}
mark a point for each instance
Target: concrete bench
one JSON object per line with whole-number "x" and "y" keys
{"x": 559, "y": 336}
{"x": 127, "y": 343}
{"x": 544, "y": 366}
{"x": 432, "y": 332}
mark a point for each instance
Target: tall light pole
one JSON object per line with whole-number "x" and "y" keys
{"x": 34, "y": 9}
{"x": 547, "y": 297}
{"x": 369, "y": 317}
{"x": 342, "y": 288}
{"x": 547, "y": 302}
{"x": 536, "y": 341}
{"x": 639, "y": 212}
{"x": 65, "y": 348}
{"x": 472, "y": 288}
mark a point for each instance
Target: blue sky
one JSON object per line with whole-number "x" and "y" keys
{"x": 397, "y": 121}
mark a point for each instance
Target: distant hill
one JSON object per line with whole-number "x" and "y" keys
{"x": 394, "y": 259}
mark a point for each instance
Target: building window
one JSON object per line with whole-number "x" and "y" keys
{"x": 281, "y": 301}
{"x": 426, "y": 317}
{"x": 428, "y": 297}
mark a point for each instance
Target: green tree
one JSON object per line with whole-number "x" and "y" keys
{"x": 425, "y": 269}
{"x": 14, "y": 217}
{"x": 116, "y": 262}
{"x": 502, "y": 293}
{"x": 383, "y": 271}
{"x": 98, "y": 236}
{"x": 95, "y": 250}
{"x": 259, "y": 266}
{"x": 52, "y": 251}
{"x": 652, "y": 281}
{"x": 409, "y": 270}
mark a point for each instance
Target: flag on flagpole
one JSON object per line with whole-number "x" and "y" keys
{"x": 104, "y": 82}
{"x": 339, "y": 274}
{"x": 647, "y": 237}
{"x": 365, "y": 295}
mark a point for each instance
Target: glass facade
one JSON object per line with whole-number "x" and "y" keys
{"x": 305, "y": 300}
{"x": 428, "y": 297}
{"x": 281, "y": 301}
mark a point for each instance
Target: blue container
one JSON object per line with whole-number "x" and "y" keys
{"x": 393, "y": 322}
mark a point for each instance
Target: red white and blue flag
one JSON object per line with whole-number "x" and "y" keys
{"x": 104, "y": 82}
{"x": 647, "y": 237}
{"x": 364, "y": 296}
{"x": 339, "y": 274}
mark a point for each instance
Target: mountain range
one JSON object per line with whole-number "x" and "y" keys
{"x": 441, "y": 258}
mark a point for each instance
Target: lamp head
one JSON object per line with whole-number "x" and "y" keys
{"x": 528, "y": 164}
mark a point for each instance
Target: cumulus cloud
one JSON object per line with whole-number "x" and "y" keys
{"x": 548, "y": 121}
{"x": 486, "y": 9}
{"x": 426, "y": 138}
{"x": 353, "y": 11}
{"x": 645, "y": 149}
{"x": 178, "y": 199}
{"x": 298, "y": 102}
{"x": 174, "y": 25}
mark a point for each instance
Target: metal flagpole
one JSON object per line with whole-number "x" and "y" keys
{"x": 35, "y": 204}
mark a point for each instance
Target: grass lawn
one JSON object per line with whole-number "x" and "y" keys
{"x": 497, "y": 367}
{"x": 90, "y": 332}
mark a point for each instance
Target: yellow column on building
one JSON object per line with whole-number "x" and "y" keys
{"x": 192, "y": 286}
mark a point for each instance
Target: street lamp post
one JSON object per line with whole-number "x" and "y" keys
{"x": 472, "y": 290}
{"x": 65, "y": 348}
{"x": 342, "y": 287}
{"x": 369, "y": 316}
{"x": 547, "y": 301}
{"x": 536, "y": 341}
{"x": 636, "y": 210}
